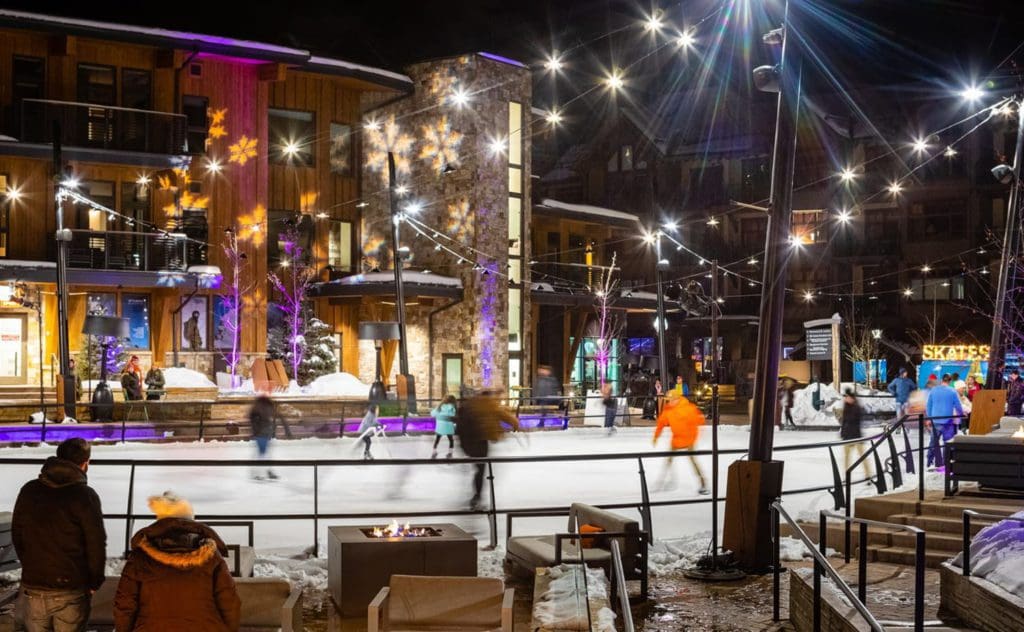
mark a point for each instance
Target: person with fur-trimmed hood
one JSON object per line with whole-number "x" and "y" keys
{"x": 176, "y": 577}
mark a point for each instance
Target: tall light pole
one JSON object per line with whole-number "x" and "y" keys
{"x": 63, "y": 236}
{"x": 755, "y": 483}
{"x": 403, "y": 353}
{"x": 659, "y": 273}
{"x": 1011, "y": 248}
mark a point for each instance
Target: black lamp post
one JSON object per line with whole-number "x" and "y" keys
{"x": 105, "y": 327}
{"x": 378, "y": 332}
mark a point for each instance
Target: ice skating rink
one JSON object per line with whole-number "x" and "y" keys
{"x": 220, "y": 488}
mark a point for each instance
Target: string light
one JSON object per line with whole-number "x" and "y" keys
{"x": 950, "y": 152}
{"x": 414, "y": 207}
{"x": 895, "y": 188}
{"x": 713, "y": 221}
{"x": 213, "y": 165}
{"x": 843, "y": 216}
{"x": 685, "y": 40}
{"x": 926, "y": 268}
{"x": 654, "y": 23}
{"x": 290, "y": 149}
{"x": 70, "y": 182}
{"x": 808, "y": 296}
{"x": 142, "y": 180}
{"x": 401, "y": 189}
{"x": 497, "y": 145}
{"x": 920, "y": 146}
{"x": 752, "y": 262}
{"x": 13, "y": 194}
{"x": 908, "y": 292}
{"x": 972, "y": 93}
{"x": 553, "y": 117}
{"x": 847, "y": 175}
{"x": 553, "y": 63}
{"x": 459, "y": 97}
{"x": 372, "y": 125}
{"x": 614, "y": 81}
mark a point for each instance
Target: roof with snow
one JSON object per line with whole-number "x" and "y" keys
{"x": 585, "y": 211}
{"x": 424, "y": 284}
{"x": 204, "y": 43}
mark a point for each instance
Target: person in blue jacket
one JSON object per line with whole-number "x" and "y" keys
{"x": 901, "y": 388}
{"x": 444, "y": 424}
{"x": 943, "y": 403}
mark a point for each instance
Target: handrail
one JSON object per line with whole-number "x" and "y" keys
{"x": 620, "y": 581}
{"x": 107, "y": 107}
{"x": 968, "y": 514}
{"x": 820, "y": 564}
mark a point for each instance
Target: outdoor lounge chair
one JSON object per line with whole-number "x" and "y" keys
{"x": 414, "y": 603}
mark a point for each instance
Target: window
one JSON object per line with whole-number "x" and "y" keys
{"x": 515, "y": 319}
{"x": 197, "y": 124}
{"x": 941, "y": 220}
{"x": 291, "y": 134}
{"x": 515, "y": 181}
{"x": 753, "y": 233}
{"x": 276, "y": 227}
{"x": 339, "y": 247}
{"x": 807, "y": 227}
{"x": 451, "y": 368}
{"x": 97, "y": 84}
{"x": 938, "y": 289}
{"x": 28, "y": 77}
{"x": 135, "y": 205}
{"x": 135, "y": 309}
{"x": 136, "y": 89}
{"x": 707, "y": 186}
{"x": 756, "y": 179}
{"x": 621, "y": 160}
{"x": 515, "y": 133}
{"x": 5, "y": 216}
{"x": 515, "y": 222}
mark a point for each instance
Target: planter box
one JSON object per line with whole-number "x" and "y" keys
{"x": 978, "y": 602}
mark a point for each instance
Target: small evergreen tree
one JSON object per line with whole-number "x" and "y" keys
{"x": 90, "y": 358}
{"x": 318, "y": 355}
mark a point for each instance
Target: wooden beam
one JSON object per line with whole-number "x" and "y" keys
{"x": 272, "y": 72}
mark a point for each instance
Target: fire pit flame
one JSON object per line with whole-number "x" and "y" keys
{"x": 394, "y": 530}
{"x": 1020, "y": 433}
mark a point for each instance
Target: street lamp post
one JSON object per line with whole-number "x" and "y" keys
{"x": 755, "y": 483}
{"x": 659, "y": 273}
{"x": 403, "y": 352}
{"x": 63, "y": 236}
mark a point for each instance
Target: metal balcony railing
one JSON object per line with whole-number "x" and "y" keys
{"x": 103, "y": 127}
{"x": 128, "y": 250}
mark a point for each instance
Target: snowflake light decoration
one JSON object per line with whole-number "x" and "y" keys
{"x": 460, "y": 221}
{"x": 217, "y": 127}
{"x": 388, "y": 137}
{"x": 440, "y": 83}
{"x": 252, "y": 227}
{"x": 440, "y": 144}
{"x": 243, "y": 150}
{"x": 306, "y": 202}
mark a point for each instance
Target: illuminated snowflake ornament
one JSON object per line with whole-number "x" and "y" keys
{"x": 460, "y": 223}
{"x": 243, "y": 150}
{"x": 217, "y": 126}
{"x": 252, "y": 227}
{"x": 440, "y": 144}
{"x": 386, "y": 137}
{"x": 441, "y": 83}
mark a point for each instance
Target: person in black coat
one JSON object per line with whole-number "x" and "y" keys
{"x": 850, "y": 429}
{"x": 261, "y": 420}
{"x": 57, "y": 531}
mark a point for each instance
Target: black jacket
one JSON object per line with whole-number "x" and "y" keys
{"x": 850, "y": 428}
{"x": 261, "y": 418}
{"x": 57, "y": 529}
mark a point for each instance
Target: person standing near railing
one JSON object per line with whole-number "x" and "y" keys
{"x": 943, "y": 404}
{"x": 261, "y": 422}
{"x": 853, "y": 416}
{"x": 901, "y": 387}
{"x": 1014, "y": 394}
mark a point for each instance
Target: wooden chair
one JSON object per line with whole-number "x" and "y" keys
{"x": 414, "y": 603}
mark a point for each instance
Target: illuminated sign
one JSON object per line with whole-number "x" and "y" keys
{"x": 956, "y": 352}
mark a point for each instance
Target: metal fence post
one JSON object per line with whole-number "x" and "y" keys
{"x": 967, "y": 544}
{"x": 862, "y": 564}
{"x": 645, "y": 502}
{"x": 128, "y": 512}
{"x": 775, "y": 563}
{"x": 492, "y": 515}
{"x": 316, "y": 511}
{"x": 919, "y": 562}
{"x": 920, "y": 457}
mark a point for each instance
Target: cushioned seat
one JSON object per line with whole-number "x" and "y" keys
{"x": 416, "y": 603}
{"x": 540, "y": 551}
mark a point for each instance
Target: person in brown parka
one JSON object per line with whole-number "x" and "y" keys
{"x": 176, "y": 577}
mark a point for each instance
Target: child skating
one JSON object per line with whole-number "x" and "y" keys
{"x": 444, "y": 424}
{"x": 369, "y": 427}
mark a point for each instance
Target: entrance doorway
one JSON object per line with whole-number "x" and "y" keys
{"x": 13, "y": 361}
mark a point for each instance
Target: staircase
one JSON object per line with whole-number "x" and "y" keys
{"x": 941, "y": 518}
{"x": 25, "y": 393}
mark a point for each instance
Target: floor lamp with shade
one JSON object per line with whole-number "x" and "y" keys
{"x": 378, "y": 332}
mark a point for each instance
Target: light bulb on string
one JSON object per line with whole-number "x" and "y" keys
{"x": 553, "y": 117}
{"x": 920, "y": 146}
{"x": 553, "y": 63}
{"x": 213, "y": 165}
{"x": 808, "y": 296}
{"x": 972, "y": 93}
{"x": 950, "y": 152}
{"x": 685, "y": 40}
{"x": 498, "y": 145}
{"x": 908, "y": 292}
{"x": 843, "y": 216}
{"x": 895, "y": 188}
{"x": 614, "y": 81}
{"x": 371, "y": 125}
{"x": 654, "y": 23}
{"x": 713, "y": 221}
{"x": 459, "y": 97}
{"x": 13, "y": 194}
{"x": 847, "y": 175}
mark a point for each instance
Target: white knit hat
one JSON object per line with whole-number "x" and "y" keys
{"x": 170, "y": 505}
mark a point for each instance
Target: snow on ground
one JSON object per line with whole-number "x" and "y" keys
{"x": 330, "y": 385}
{"x": 997, "y": 554}
{"x": 873, "y": 402}
{"x": 176, "y": 377}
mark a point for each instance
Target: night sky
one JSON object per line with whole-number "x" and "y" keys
{"x": 922, "y": 38}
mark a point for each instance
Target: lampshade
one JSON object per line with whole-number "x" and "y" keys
{"x": 109, "y": 326}
{"x": 384, "y": 330}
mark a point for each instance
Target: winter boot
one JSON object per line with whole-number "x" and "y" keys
{"x": 367, "y": 456}
{"x": 272, "y": 475}
{"x": 433, "y": 454}
{"x": 449, "y": 455}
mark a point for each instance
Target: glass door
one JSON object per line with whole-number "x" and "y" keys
{"x": 452, "y": 371}
{"x": 12, "y": 349}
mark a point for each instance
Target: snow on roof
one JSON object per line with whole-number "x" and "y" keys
{"x": 423, "y": 278}
{"x": 586, "y": 209}
{"x": 199, "y": 40}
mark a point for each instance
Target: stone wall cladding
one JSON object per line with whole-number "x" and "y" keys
{"x": 468, "y": 202}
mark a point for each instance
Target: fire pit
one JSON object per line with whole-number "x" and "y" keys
{"x": 362, "y": 559}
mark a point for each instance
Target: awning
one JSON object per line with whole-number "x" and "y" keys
{"x": 46, "y": 272}
{"x": 419, "y": 284}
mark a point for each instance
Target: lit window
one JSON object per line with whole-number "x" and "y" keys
{"x": 292, "y": 135}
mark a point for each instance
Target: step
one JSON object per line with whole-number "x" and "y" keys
{"x": 905, "y": 556}
{"x": 936, "y": 524}
{"x": 933, "y": 541}
{"x": 836, "y": 535}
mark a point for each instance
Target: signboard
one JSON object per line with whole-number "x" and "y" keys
{"x": 819, "y": 343}
{"x": 954, "y": 352}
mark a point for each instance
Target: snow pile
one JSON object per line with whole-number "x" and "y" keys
{"x": 794, "y": 550}
{"x": 308, "y": 572}
{"x": 804, "y": 413}
{"x": 564, "y": 606}
{"x": 668, "y": 556}
{"x": 997, "y": 554}
{"x": 175, "y": 377}
{"x": 338, "y": 385}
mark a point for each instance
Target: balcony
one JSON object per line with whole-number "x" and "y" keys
{"x": 103, "y": 127}
{"x": 134, "y": 251}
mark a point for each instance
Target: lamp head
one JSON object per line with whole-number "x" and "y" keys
{"x": 1003, "y": 173}
{"x": 766, "y": 78}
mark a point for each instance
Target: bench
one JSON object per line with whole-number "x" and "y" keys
{"x": 413, "y": 603}
{"x": 531, "y": 552}
{"x": 994, "y": 460}
{"x": 8, "y": 557}
{"x": 267, "y": 604}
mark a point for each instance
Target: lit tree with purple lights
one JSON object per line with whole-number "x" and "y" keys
{"x": 608, "y": 323}
{"x": 232, "y": 319}
{"x": 293, "y": 288}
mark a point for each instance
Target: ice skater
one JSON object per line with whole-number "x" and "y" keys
{"x": 479, "y": 424}
{"x": 683, "y": 419}
{"x": 444, "y": 424}
{"x": 261, "y": 422}
{"x": 610, "y": 407}
{"x": 370, "y": 426}
{"x": 853, "y": 415}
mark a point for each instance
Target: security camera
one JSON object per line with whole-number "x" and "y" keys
{"x": 766, "y": 78}
{"x": 1003, "y": 173}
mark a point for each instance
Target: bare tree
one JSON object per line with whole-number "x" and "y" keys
{"x": 609, "y": 322}
{"x": 861, "y": 344}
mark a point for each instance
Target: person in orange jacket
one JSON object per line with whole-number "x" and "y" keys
{"x": 683, "y": 418}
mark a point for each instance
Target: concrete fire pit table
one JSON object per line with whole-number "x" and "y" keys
{"x": 360, "y": 564}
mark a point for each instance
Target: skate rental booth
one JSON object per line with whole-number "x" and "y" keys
{"x": 949, "y": 359}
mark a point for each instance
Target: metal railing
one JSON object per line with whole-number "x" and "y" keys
{"x": 618, "y": 581}
{"x": 821, "y": 566}
{"x": 968, "y": 514}
{"x": 131, "y": 250}
{"x": 103, "y": 126}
